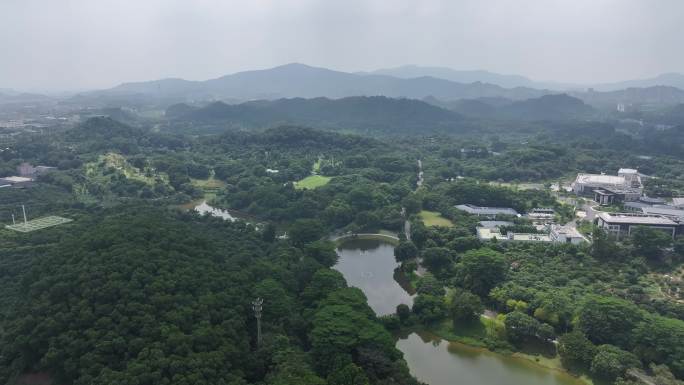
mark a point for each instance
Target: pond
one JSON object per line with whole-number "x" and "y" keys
{"x": 370, "y": 265}
{"x": 439, "y": 362}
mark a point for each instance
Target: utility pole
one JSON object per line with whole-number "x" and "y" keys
{"x": 13, "y": 221}
{"x": 24, "y": 210}
{"x": 257, "y": 307}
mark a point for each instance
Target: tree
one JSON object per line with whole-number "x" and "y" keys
{"x": 323, "y": 252}
{"x": 428, "y": 308}
{"x": 575, "y": 348}
{"x": 305, "y": 230}
{"x": 608, "y": 320}
{"x": 520, "y": 326}
{"x": 465, "y": 306}
{"x": 481, "y": 270}
{"x": 436, "y": 259}
{"x": 403, "y": 312}
{"x": 412, "y": 203}
{"x": 323, "y": 282}
{"x": 340, "y": 328}
{"x": 649, "y": 242}
{"x": 610, "y": 362}
{"x": 268, "y": 234}
{"x": 428, "y": 284}
{"x": 348, "y": 375}
{"x": 660, "y": 340}
{"x": 602, "y": 247}
{"x": 405, "y": 251}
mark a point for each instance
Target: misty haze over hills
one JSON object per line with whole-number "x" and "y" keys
{"x": 299, "y": 80}
{"x": 302, "y": 81}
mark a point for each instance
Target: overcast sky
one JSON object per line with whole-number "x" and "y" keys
{"x": 83, "y": 44}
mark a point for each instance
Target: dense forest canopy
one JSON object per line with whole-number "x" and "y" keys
{"x": 138, "y": 290}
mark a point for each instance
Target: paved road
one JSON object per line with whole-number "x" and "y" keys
{"x": 419, "y": 183}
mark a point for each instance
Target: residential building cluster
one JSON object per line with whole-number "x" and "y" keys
{"x": 27, "y": 174}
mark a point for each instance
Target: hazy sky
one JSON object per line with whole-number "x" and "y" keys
{"x": 79, "y": 44}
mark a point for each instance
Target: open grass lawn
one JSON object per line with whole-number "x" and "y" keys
{"x": 432, "y": 218}
{"x": 312, "y": 182}
{"x": 209, "y": 184}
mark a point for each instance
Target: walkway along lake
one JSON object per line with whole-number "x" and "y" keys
{"x": 370, "y": 265}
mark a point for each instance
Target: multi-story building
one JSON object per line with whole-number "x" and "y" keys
{"x": 621, "y": 225}
{"x": 626, "y": 186}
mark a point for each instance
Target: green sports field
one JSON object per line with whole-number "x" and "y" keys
{"x": 312, "y": 182}
{"x": 38, "y": 224}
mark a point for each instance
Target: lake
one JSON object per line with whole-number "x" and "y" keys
{"x": 439, "y": 362}
{"x": 370, "y": 266}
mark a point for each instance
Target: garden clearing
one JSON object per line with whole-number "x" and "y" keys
{"x": 433, "y": 218}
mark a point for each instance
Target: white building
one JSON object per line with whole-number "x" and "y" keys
{"x": 678, "y": 202}
{"x": 607, "y": 189}
{"x": 621, "y": 225}
{"x": 566, "y": 234}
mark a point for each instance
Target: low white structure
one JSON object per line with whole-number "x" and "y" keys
{"x": 541, "y": 215}
{"x": 489, "y": 212}
{"x": 489, "y": 234}
{"x": 566, "y": 234}
{"x": 678, "y": 202}
{"x": 16, "y": 181}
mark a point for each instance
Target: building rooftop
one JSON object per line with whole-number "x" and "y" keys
{"x": 636, "y": 205}
{"x": 487, "y": 234}
{"x": 568, "y": 231}
{"x": 651, "y": 200}
{"x": 494, "y": 224}
{"x": 627, "y": 171}
{"x": 670, "y": 212}
{"x": 600, "y": 179}
{"x": 479, "y": 210}
{"x": 637, "y": 219}
{"x": 16, "y": 179}
{"x": 526, "y": 237}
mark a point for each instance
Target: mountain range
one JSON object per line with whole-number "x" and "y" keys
{"x": 302, "y": 81}
{"x": 299, "y": 80}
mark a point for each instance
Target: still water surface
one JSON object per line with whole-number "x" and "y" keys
{"x": 369, "y": 265}
{"x": 438, "y": 362}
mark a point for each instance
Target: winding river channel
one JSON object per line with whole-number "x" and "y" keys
{"x": 370, "y": 266}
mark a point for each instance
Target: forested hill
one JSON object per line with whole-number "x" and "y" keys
{"x": 547, "y": 107}
{"x": 367, "y": 114}
{"x": 145, "y": 296}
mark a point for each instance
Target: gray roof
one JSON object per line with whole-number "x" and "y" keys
{"x": 478, "y": 210}
{"x": 651, "y": 200}
{"x": 494, "y": 224}
{"x": 636, "y": 205}
{"x": 666, "y": 211}
{"x": 678, "y": 201}
{"x": 636, "y": 219}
